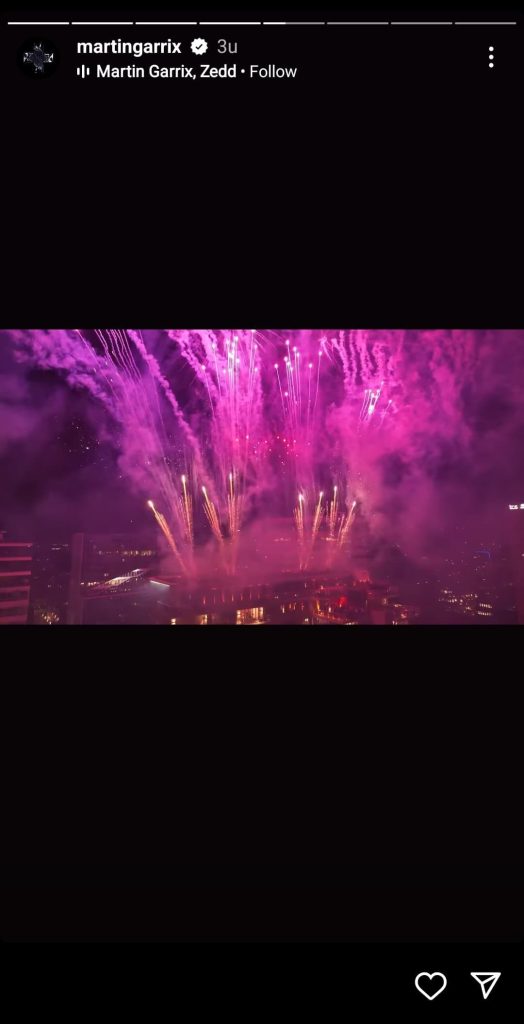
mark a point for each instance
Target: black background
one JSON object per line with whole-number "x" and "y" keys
{"x": 270, "y": 784}
{"x": 383, "y": 192}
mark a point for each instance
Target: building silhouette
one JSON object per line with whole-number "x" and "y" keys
{"x": 515, "y": 537}
{"x": 15, "y": 581}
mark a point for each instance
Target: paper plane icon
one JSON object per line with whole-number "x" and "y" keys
{"x": 487, "y": 980}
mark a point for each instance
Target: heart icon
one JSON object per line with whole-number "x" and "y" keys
{"x": 426, "y": 984}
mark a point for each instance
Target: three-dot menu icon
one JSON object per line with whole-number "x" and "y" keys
{"x": 491, "y": 53}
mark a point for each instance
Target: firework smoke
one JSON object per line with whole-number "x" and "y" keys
{"x": 219, "y": 429}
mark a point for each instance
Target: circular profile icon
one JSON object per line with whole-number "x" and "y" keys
{"x": 38, "y": 58}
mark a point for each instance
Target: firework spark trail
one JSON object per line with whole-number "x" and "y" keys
{"x": 307, "y": 544}
{"x": 345, "y": 524}
{"x": 385, "y": 412}
{"x": 335, "y": 523}
{"x": 369, "y": 404}
{"x": 187, "y": 511}
{"x": 161, "y": 520}
{"x": 326, "y": 347}
{"x": 233, "y": 508}
{"x": 298, "y": 515}
{"x": 317, "y": 519}
{"x": 299, "y": 518}
{"x": 309, "y": 369}
{"x": 212, "y": 517}
{"x": 333, "y": 513}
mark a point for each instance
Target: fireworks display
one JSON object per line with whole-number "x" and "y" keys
{"x": 227, "y": 370}
{"x": 323, "y": 429}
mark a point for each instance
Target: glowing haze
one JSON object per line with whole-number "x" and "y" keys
{"x": 222, "y": 431}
